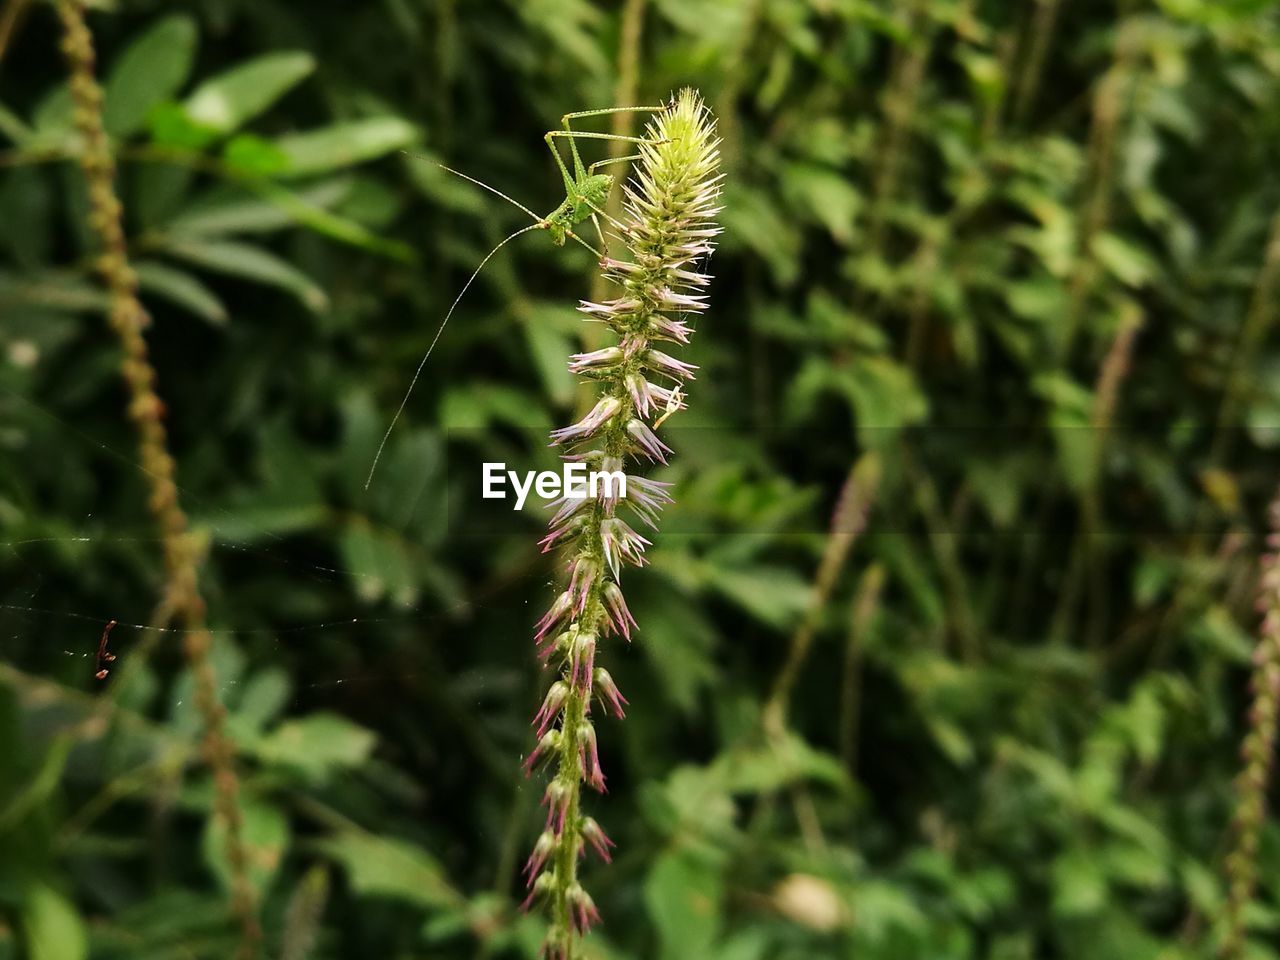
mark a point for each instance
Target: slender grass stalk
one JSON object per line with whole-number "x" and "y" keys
{"x": 1258, "y": 749}
{"x": 944, "y": 539}
{"x": 1262, "y": 313}
{"x": 1085, "y": 561}
{"x": 1110, "y": 103}
{"x": 181, "y": 600}
{"x": 1115, "y": 369}
{"x": 847, "y": 523}
{"x": 866, "y": 601}
{"x": 1042, "y": 30}
{"x": 625, "y": 90}
{"x": 901, "y": 100}
{"x": 668, "y": 226}
{"x": 737, "y": 71}
{"x": 1190, "y": 588}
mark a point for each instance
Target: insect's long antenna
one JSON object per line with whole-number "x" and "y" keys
{"x": 498, "y": 193}
{"x": 479, "y": 183}
{"x": 436, "y": 339}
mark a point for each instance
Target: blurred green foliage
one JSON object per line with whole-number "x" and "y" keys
{"x": 1026, "y": 254}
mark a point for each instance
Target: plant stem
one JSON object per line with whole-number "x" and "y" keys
{"x": 847, "y": 522}
{"x": 1258, "y": 749}
{"x": 865, "y": 603}
{"x": 1046, "y": 18}
{"x": 1109, "y": 104}
{"x": 625, "y": 91}
{"x": 669, "y": 223}
{"x": 181, "y": 599}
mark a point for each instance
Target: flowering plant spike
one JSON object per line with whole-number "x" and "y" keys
{"x": 668, "y": 227}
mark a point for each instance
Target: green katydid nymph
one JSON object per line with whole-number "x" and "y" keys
{"x": 586, "y": 193}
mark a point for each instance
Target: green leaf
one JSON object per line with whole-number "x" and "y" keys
{"x": 317, "y": 745}
{"x": 549, "y": 344}
{"x": 249, "y": 155}
{"x": 227, "y": 101}
{"x": 1217, "y": 631}
{"x": 385, "y": 867}
{"x": 250, "y": 263}
{"x": 53, "y": 114}
{"x": 53, "y": 929}
{"x": 254, "y": 205}
{"x": 233, "y": 208}
{"x": 303, "y": 916}
{"x": 151, "y": 70}
{"x": 751, "y": 219}
{"x": 693, "y": 805}
{"x": 1070, "y": 407}
{"x": 265, "y": 834}
{"x": 442, "y": 188}
{"x": 882, "y": 907}
{"x": 773, "y": 595}
{"x": 265, "y": 695}
{"x": 769, "y": 768}
{"x": 159, "y": 194}
{"x": 181, "y": 288}
{"x": 1041, "y": 300}
{"x": 344, "y": 144}
{"x": 378, "y": 564}
{"x": 885, "y": 397}
{"x": 1126, "y": 262}
{"x": 171, "y": 126}
{"x": 60, "y": 290}
{"x": 683, "y": 893}
{"x": 12, "y": 126}
{"x": 683, "y": 660}
{"x": 27, "y": 216}
{"x": 1079, "y": 885}
{"x": 829, "y": 197}
{"x": 481, "y": 404}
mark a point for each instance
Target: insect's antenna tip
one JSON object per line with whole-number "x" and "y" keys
{"x": 494, "y": 190}
{"x": 434, "y": 340}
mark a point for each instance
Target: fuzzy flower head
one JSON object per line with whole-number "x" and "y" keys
{"x": 669, "y": 209}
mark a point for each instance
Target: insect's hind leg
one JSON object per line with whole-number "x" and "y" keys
{"x": 600, "y": 163}
{"x": 592, "y": 135}
{"x": 580, "y": 114}
{"x": 570, "y": 187}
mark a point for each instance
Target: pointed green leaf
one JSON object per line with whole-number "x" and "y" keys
{"x": 150, "y": 71}
{"x": 231, "y": 208}
{"x": 317, "y": 745}
{"x": 251, "y": 263}
{"x": 1124, "y": 260}
{"x": 683, "y": 894}
{"x": 229, "y": 100}
{"x": 265, "y": 834}
{"x": 53, "y": 929}
{"x": 181, "y": 288}
{"x": 344, "y": 144}
{"x": 385, "y": 867}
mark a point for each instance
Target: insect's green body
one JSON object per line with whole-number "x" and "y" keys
{"x": 586, "y": 195}
{"x": 585, "y": 191}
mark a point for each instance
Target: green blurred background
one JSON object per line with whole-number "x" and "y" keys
{"x": 1000, "y": 277}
